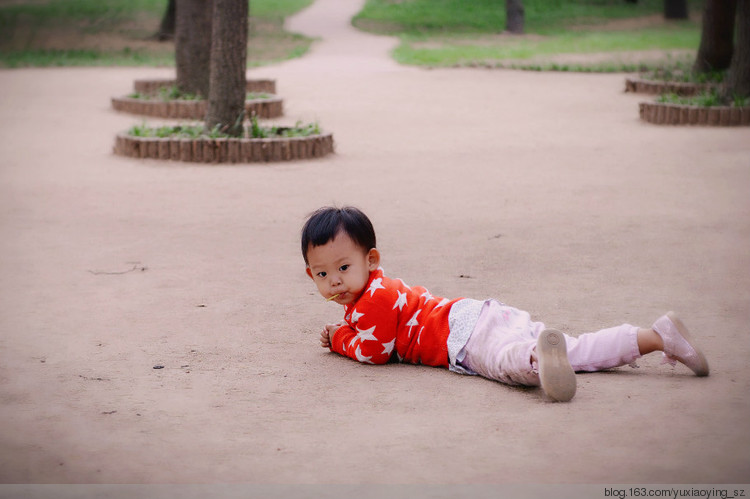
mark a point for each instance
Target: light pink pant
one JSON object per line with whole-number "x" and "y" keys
{"x": 504, "y": 339}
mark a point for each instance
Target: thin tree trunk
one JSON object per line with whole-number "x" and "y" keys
{"x": 514, "y": 16}
{"x": 717, "y": 36}
{"x": 738, "y": 77}
{"x": 226, "y": 99}
{"x": 166, "y": 29}
{"x": 193, "y": 45}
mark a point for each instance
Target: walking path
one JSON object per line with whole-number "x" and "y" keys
{"x": 542, "y": 190}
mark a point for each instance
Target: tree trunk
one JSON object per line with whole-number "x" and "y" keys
{"x": 193, "y": 45}
{"x": 717, "y": 36}
{"x": 675, "y": 9}
{"x": 738, "y": 77}
{"x": 226, "y": 99}
{"x": 514, "y": 16}
{"x": 166, "y": 29}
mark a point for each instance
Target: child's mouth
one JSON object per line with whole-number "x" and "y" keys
{"x": 330, "y": 298}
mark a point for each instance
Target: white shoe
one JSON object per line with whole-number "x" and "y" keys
{"x": 678, "y": 344}
{"x": 556, "y": 376}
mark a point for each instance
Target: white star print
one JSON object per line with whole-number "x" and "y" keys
{"x": 366, "y": 334}
{"x": 405, "y": 285}
{"x": 427, "y": 296}
{"x": 361, "y": 357}
{"x": 419, "y": 336}
{"x": 400, "y": 301}
{"x": 388, "y": 347}
{"x": 413, "y": 321}
{"x": 444, "y": 301}
{"x": 355, "y": 316}
{"x": 375, "y": 285}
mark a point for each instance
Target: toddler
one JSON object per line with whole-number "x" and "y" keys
{"x": 387, "y": 320}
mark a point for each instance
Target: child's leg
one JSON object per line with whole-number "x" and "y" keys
{"x": 621, "y": 345}
{"x": 612, "y": 347}
{"x": 501, "y": 345}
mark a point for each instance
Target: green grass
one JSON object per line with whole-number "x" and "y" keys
{"x": 439, "y": 33}
{"x": 705, "y": 99}
{"x": 67, "y": 33}
{"x": 198, "y": 130}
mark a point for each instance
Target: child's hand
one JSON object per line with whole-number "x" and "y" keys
{"x": 327, "y": 334}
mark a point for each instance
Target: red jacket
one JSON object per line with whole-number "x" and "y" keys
{"x": 393, "y": 318}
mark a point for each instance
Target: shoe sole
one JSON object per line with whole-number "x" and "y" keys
{"x": 556, "y": 375}
{"x": 702, "y": 368}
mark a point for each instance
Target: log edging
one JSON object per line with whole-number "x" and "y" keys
{"x": 192, "y": 109}
{"x": 241, "y": 150}
{"x": 658, "y": 87}
{"x": 661, "y": 113}
{"x": 152, "y": 86}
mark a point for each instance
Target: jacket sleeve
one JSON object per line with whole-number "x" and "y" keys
{"x": 370, "y": 337}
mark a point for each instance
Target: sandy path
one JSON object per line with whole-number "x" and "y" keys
{"x": 545, "y": 189}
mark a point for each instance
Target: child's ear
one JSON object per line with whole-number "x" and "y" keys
{"x": 373, "y": 259}
{"x": 309, "y": 273}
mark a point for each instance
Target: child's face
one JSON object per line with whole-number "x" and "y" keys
{"x": 342, "y": 268}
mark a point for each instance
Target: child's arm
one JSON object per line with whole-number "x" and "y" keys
{"x": 371, "y": 340}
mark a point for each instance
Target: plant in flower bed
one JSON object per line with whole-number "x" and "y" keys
{"x": 172, "y": 92}
{"x": 681, "y": 71}
{"x": 709, "y": 98}
{"x": 199, "y": 131}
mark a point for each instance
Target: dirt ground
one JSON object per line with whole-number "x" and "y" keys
{"x": 543, "y": 190}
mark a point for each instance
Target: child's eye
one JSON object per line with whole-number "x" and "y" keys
{"x": 343, "y": 268}
{"x": 321, "y": 274}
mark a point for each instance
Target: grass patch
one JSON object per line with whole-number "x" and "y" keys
{"x": 199, "y": 131}
{"x": 121, "y": 33}
{"x": 682, "y": 72}
{"x": 172, "y": 92}
{"x": 445, "y": 33}
{"x": 709, "y": 98}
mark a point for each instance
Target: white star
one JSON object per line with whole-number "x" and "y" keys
{"x": 427, "y": 296}
{"x": 405, "y": 285}
{"x": 444, "y": 301}
{"x": 419, "y": 336}
{"x": 361, "y": 357}
{"x": 400, "y": 301}
{"x": 388, "y": 347}
{"x": 413, "y": 321}
{"x": 355, "y": 316}
{"x": 375, "y": 285}
{"x": 366, "y": 334}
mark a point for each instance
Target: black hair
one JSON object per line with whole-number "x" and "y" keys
{"x": 325, "y": 223}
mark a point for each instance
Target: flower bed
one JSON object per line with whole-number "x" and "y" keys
{"x": 662, "y": 113}
{"x": 224, "y": 150}
{"x": 153, "y": 86}
{"x": 192, "y": 109}
{"x": 656, "y": 87}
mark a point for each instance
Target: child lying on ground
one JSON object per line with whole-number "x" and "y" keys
{"x": 385, "y": 320}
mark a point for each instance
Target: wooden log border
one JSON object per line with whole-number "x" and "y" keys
{"x": 655, "y": 87}
{"x": 225, "y": 150}
{"x": 192, "y": 109}
{"x": 674, "y": 114}
{"x": 151, "y": 87}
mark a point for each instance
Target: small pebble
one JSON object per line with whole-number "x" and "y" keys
{"x": 158, "y": 366}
